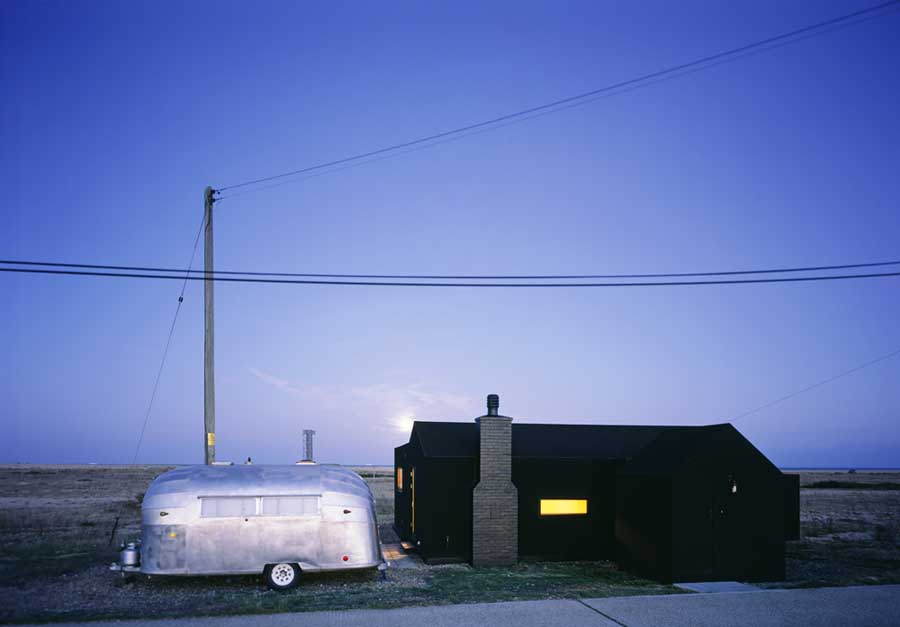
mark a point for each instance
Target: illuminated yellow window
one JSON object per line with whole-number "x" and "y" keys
{"x": 563, "y": 507}
{"x": 399, "y": 480}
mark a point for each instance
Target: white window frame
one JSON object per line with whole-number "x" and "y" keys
{"x": 315, "y": 498}
{"x": 217, "y": 499}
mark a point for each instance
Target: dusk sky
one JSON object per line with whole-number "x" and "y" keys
{"x": 116, "y": 115}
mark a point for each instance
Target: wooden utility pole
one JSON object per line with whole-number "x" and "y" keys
{"x": 209, "y": 362}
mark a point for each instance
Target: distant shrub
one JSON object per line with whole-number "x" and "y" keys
{"x": 886, "y": 533}
{"x": 853, "y": 485}
{"x": 821, "y": 527}
{"x": 135, "y": 503}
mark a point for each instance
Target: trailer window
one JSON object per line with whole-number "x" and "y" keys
{"x": 399, "y": 480}
{"x": 290, "y": 505}
{"x": 563, "y": 507}
{"x": 227, "y": 506}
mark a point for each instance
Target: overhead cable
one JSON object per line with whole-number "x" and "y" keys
{"x": 478, "y": 277}
{"x": 610, "y": 94}
{"x": 231, "y": 279}
{"x": 165, "y": 354}
{"x": 709, "y": 59}
{"x": 816, "y": 385}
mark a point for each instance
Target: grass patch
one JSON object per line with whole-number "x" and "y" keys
{"x": 25, "y": 563}
{"x": 813, "y": 564}
{"x": 167, "y": 597}
{"x": 442, "y": 586}
{"x": 539, "y": 580}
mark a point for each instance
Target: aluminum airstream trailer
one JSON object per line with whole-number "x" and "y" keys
{"x": 274, "y": 520}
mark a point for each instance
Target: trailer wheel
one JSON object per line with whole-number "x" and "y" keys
{"x": 282, "y": 576}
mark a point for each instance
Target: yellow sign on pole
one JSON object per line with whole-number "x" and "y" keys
{"x": 210, "y": 439}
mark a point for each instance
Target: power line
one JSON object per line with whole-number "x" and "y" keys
{"x": 520, "y": 120}
{"x": 162, "y": 362}
{"x": 709, "y": 59}
{"x": 448, "y": 284}
{"x": 612, "y": 93}
{"x": 816, "y": 385}
{"x": 454, "y": 276}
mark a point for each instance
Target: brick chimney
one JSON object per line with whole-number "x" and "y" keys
{"x": 495, "y": 501}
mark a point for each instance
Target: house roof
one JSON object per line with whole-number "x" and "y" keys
{"x": 676, "y": 446}
{"x": 446, "y": 439}
{"x": 655, "y": 447}
{"x": 581, "y": 441}
{"x": 644, "y": 449}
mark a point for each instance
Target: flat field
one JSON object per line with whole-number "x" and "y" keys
{"x": 60, "y": 527}
{"x": 849, "y": 526}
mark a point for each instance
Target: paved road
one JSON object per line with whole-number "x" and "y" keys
{"x": 874, "y": 606}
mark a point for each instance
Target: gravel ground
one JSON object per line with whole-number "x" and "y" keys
{"x": 848, "y": 536}
{"x": 60, "y": 528}
{"x": 96, "y": 592}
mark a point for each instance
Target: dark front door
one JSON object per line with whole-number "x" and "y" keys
{"x": 694, "y": 542}
{"x": 728, "y": 541}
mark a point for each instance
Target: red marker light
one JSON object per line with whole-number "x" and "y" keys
{"x": 345, "y": 558}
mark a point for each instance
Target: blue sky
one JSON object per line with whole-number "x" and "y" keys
{"x": 115, "y": 116}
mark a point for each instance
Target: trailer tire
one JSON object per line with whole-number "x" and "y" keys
{"x": 283, "y": 576}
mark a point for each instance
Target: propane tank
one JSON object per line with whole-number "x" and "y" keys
{"x": 130, "y": 555}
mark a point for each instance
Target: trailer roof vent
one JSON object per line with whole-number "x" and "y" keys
{"x": 493, "y": 405}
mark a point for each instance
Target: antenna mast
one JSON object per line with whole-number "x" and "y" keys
{"x": 308, "y": 445}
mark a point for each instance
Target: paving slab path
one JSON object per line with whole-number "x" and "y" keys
{"x": 717, "y": 586}
{"x": 397, "y": 557}
{"x": 875, "y": 606}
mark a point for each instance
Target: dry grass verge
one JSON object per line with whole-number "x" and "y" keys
{"x": 58, "y": 533}
{"x": 56, "y": 524}
{"x": 852, "y": 485}
{"x": 849, "y": 530}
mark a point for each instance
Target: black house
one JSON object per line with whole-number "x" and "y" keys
{"x": 670, "y": 503}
